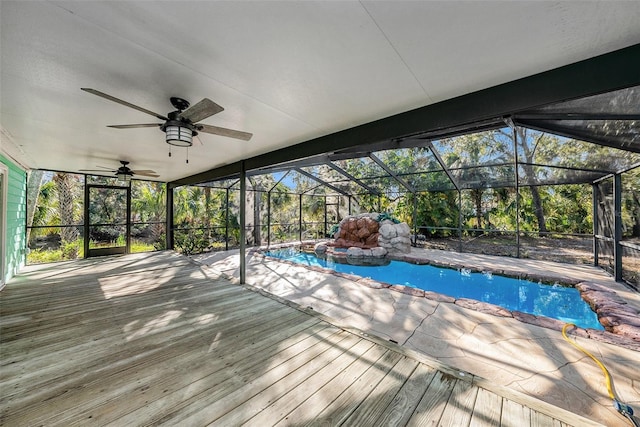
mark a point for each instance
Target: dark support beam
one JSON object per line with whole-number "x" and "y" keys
{"x": 415, "y": 219}
{"x": 300, "y": 217}
{"x": 128, "y": 226}
{"x": 325, "y": 215}
{"x": 596, "y": 225}
{"x": 617, "y": 226}
{"x": 243, "y": 217}
{"x": 517, "y": 183}
{"x": 169, "y": 218}
{"x": 459, "y": 220}
{"x": 608, "y": 72}
{"x": 226, "y": 220}
{"x": 269, "y": 219}
{"x": 86, "y": 229}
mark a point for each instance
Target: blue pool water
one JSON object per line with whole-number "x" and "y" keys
{"x": 558, "y": 302}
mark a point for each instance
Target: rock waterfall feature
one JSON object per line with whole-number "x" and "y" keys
{"x": 368, "y": 238}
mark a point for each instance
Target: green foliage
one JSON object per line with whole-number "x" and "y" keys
{"x": 68, "y": 251}
{"x": 161, "y": 243}
{"x": 387, "y": 216}
{"x": 438, "y": 210}
{"x": 140, "y": 246}
{"x": 191, "y": 242}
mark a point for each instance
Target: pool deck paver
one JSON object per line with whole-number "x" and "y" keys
{"x": 525, "y": 357}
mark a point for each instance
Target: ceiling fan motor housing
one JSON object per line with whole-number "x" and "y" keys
{"x": 179, "y": 103}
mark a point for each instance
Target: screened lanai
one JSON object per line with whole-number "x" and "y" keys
{"x": 555, "y": 182}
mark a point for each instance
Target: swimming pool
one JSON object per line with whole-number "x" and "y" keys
{"x": 554, "y": 301}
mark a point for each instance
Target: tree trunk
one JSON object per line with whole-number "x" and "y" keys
{"x": 477, "y": 198}
{"x": 531, "y": 178}
{"x": 635, "y": 232}
{"x": 207, "y": 210}
{"x": 537, "y": 206}
{"x": 64, "y": 185}
{"x": 257, "y": 235}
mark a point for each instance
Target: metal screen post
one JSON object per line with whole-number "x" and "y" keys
{"x": 269, "y": 219}
{"x": 300, "y": 217}
{"x": 415, "y": 219}
{"x": 86, "y": 230}
{"x": 324, "y": 235}
{"x": 617, "y": 225}
{"x": 243, "y": 214}
{"x": 349, "y": 205}
{"x": 459, "y": 220}
{"x": 517, "y": 178}
{"x": 168, "y": 219}
{"x": 596, "y": 225}
{"x": 226, "y": 222}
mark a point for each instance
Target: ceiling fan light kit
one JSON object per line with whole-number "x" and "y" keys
{"x": 123, "y": 176}
{"x": 179, "y": 134}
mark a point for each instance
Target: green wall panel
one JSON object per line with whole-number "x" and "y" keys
{"x": 16, "y": 213}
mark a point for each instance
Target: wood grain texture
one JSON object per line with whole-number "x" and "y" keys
{"x": 154, "y": 339}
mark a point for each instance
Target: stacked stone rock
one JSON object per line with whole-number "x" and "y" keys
{"x": 365, "y": 232}
{"x": 613, "y": 312}
{"x": 395, "y": 238}
{"x": 360, "y": 231}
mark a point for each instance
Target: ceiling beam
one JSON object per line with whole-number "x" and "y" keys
{"x": 604, "y": 73}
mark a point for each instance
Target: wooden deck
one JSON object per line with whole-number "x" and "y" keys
{"x": 155, "y": 339}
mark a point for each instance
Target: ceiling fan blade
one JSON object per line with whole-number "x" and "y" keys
{"x": 230, "y": 133}
{"x": 141, "y": 125}
{"x": 143, "y": 173}
{"x": 96, "y": 170}
{"x": 201, "y": 110}
{"x": 125, "y": 103}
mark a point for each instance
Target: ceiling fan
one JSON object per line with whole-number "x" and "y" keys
{"x": 123, "y": 173}
{"x": 181, "y": 125}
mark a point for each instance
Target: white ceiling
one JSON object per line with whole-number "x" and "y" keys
{"x": 285, "y": 71}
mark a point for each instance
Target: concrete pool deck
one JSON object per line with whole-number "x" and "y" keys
{"x": 528, "y": 358}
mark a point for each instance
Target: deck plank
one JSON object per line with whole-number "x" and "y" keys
{"x": 327, "y": 394}
{"x": 207, "y": 409}
{"x": 542, "y": 420}
{"x": 272, "y": 404}
{"x": 347, "y": 402}
{"x": 434, "y": 400}
{"x": 515, "y": 414}
{"x": 383, "y": 394}
{"x": 487, "y": 410}
{"x": 406, "y": 400}
{"x": 156, "y": 339}
{"x": 460, "y": 405}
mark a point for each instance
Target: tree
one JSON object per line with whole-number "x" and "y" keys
{"x": 469, "y": 156}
